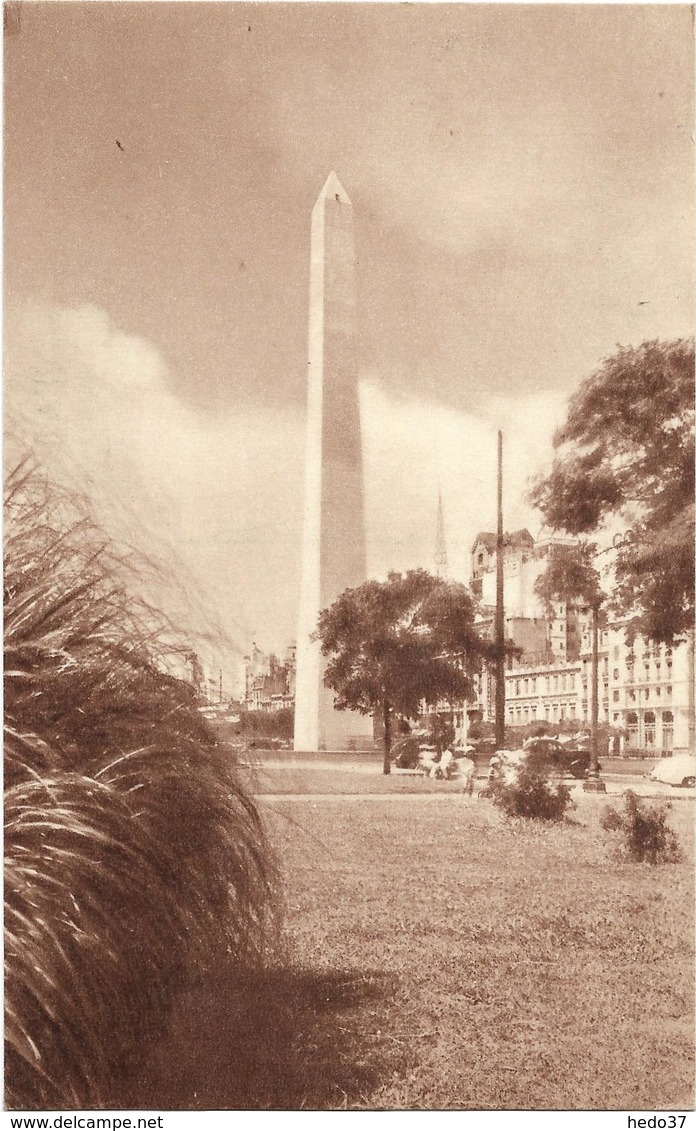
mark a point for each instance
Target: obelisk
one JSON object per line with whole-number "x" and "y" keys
{"x": 333, "y": 551}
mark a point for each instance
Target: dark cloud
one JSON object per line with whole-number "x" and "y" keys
{"x": 521, "y": 177}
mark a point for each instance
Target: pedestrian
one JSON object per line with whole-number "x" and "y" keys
{"x": 427, "y": 758}
{"x": 445, "y": 763}
{"x": 467, "y": 772}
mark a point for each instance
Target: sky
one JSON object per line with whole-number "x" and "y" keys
{"x": 521, "y": 178}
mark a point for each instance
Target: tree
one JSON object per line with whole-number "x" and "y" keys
{"x": 626, "y": 452}
{"x": 396, "y": 643}
{"x": 571, "y": 576}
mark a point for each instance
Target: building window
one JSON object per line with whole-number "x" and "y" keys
{"x": 632, "y": 726}
{"x": 650, "y": 729}
{"x": 616, "y": 673}
{"x": 615, "y": 696}
{"x": 667, "y": 730}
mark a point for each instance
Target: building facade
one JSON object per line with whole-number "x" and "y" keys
{"x": 645, "y": 689}
{"x": 269, "y": 684}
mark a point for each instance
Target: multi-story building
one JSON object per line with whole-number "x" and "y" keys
{"x": 645, "y": 689}
{"x": 524, "y": 561}
{"x": 651, "y": 691}
{"x": 543, "y": 692}
{"x": 269, "y": 685}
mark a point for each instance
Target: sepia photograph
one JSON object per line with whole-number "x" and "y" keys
{"x": 348, "y": 441}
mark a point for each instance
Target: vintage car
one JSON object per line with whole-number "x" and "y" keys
{"x": 564, "y": 758}
{"x": 679, "y": 770}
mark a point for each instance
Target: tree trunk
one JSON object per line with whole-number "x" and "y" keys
{"x": 386, "y": 718}
{"x": 593, "y": 783}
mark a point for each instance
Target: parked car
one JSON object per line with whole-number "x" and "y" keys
{"x": 679, "y": 770}
{"x": 562, "y": 757}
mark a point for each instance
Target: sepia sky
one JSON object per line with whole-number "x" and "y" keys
{"x": 522, "y": 185}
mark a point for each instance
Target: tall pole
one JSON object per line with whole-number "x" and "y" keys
{"x": 499, "y": 613}
{"x": 593, "y": 782}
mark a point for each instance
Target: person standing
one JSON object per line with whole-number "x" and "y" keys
{"x": 467, "y": 769}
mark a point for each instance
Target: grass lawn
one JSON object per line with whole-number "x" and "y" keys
{"x": 342, "y": 780}
{"x": 439, "y": 956}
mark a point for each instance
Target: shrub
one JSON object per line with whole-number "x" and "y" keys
{"x": 646, "y": 834}
{"x": 529, "y": 793}
{"x": 134, "y": 858}
{"x": 267, "y": 724}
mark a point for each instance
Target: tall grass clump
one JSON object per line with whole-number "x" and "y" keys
{"x": 645, "y": 834}
{"x": 133, "y": 857}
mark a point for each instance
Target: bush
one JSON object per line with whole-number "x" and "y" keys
{"x": 267, "y": 724}
{"x": 646, "y": 834}
{"x": 134, "y": 858}
{"x": 530, "y": 794}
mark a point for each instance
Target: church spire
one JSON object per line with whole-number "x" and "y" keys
{"x": 440, "y": 546}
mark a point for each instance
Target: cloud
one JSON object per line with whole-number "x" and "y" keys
{"x": 217, "y": 498}
{"x": 413, "y": 448}
{"x": 214, "y": 498}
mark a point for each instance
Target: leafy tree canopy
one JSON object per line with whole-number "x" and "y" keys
{"x": 626, "y": 453}
{"x": 571, "y": 575}
{"x": 396, "y": 643}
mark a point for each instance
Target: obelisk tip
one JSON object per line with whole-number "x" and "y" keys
{"x": 334, "y": 190}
